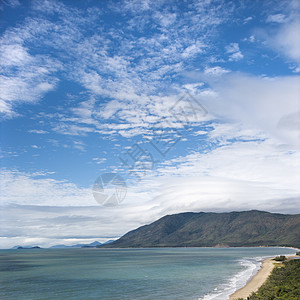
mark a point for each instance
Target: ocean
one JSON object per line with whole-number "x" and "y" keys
{"x": 162, "y": 273}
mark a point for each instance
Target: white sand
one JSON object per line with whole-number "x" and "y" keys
{"x": 256, "y": 281}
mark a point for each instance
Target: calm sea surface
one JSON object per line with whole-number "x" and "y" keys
{"x": 165, "y": 273}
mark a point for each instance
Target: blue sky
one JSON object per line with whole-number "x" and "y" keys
{"x": 84, "y": 83}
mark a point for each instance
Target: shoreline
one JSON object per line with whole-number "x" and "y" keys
{"x": 258, "y": 279}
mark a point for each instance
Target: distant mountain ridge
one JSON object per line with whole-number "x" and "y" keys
{"x": 234, "y": 229}
{"x": 91, "y": 245}
{"x": 61, "y": 246}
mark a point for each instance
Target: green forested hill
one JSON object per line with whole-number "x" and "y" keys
{"x": 248, "y": 228}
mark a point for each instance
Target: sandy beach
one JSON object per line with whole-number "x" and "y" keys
{"x": 256, "y": 281}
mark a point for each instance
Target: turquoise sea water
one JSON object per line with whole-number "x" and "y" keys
{"x": 164, "y": 273}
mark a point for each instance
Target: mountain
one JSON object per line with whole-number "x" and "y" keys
{"x": 59, "y": 246}
{"x": 234, "y": 229}
{"x": 91, "y": 245}
{"x": 96, "y": 243}
{"x": 108, "y": 242}
{"x": 16, "y": 247}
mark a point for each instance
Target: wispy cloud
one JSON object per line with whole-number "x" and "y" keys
{"x": 25, "y": 188}
{"x": 98, "y": 160}
{"x": 11, "y": 3}
{"x": 248, "y": 19}
{"x": 283, "y": 37}
{"x": 215, "y": 71}
{"x": 287, "y": 40}
{"x": 234, "y": 52}
{"x": 26, "y": 78}
{"x": 135, "y": 68}
{"x": 259, "y": 103}
{"x": 278, "y": 18}
{"x": 38, "y": 131}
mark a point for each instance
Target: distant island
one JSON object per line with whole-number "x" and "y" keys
{"x": 34, "y": 247}
{"x": 234, "y": 229}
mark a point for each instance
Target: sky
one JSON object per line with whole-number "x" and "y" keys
{"x": 116, "y": 113}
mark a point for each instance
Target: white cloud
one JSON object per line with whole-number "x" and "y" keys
{"x": 98, "y": 160}
{"x": 22, "y": 88}
{"x": 241, "y": 176}
{"x": 287, "y": 41}
{"x": 234, "y": 50}
{"x": 11, "y": 3}
{"x": 215, "y": 71}
{"x": 269, "y": 105}
{"x": 136, "y": 116}
{"x": 137, "y": 66}
{"x": 72, "y": 129}
{"x": 34, "y": 209}
{"x": 136, "y": 5}
{"x": 165, "y": 20}
{"x": 37, "y": 131}
{"x": 248, "y": 20}
{"x": 200, "y": 132}
{"x": 250, "y": 39}
{"x": 193, "y": 87}
{"x": 25, "y": 78}
{"x": 284, "y": 37}
{"x": 193, "y": 50}
{"x": 14, "y": 55}
{"x": 79, "y": 145}
{"x": 266, "y": 102}
{"x": 224, "y": 133}
{"x": 278, "y": 18}
{"x": 25, "y": 189}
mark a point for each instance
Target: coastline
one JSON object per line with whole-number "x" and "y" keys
{"x": 257, "y": 280}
